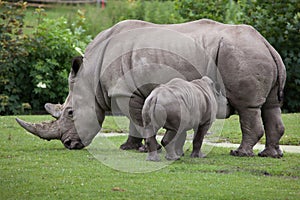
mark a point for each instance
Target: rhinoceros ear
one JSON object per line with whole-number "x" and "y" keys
{"x": 76, "y": 63}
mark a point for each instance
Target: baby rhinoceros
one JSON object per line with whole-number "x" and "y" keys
{"x": 179, "y": 106}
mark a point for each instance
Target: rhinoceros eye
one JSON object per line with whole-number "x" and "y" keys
{"x": 70, "y": 113}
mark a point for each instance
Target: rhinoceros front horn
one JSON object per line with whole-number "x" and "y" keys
{"x": 44, "y": 130}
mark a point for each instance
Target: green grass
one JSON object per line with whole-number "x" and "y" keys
{"x": 32, "y": 168}
{"x": 232, "y": 133}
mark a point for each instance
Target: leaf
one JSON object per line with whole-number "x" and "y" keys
{"x": 118, "y": 189}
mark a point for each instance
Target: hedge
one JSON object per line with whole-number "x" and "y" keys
{"x": 34, "y": 66}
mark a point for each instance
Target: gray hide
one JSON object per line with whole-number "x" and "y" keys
{"x": 123, "y": 64}
{"x": 179, "y": 106}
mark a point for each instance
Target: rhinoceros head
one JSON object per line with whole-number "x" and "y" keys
{"x": 64, "y": 128}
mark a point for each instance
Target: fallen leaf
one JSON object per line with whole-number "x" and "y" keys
{"x": 118, "y": 189}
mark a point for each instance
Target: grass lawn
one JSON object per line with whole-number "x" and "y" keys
{"x": 231, "y": 131}
{"x": 32, "y": 168}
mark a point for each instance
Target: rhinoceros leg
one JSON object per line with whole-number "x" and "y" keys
{"x": 198, "y": 140}
{"x": 274, "y": 129}
{"x": 179, "y": 143}
{"x": 169, "y": 141}
{"x": 252, "y": 131}
{"x": 151, "y": 143}
{"x": 132, "y": 142}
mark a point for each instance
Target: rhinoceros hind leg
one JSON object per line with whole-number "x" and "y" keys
{"x": 252, "y": 131}
{"x": 171, "y": 153}
{"x": 271, "y": 152}
{"x": 242, "y": 152}
{"x": 274, "y": 130}
{"x": 198, "y": 140}
{"x": 179, "y": 143}
{"x": 169, "y": 142}
{"x": 151, "y": 142}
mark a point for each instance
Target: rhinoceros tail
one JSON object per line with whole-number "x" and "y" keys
{"x": 153, "y": 113}
{"x": 281, "y": 76}
{"x": 148, "y": 109}
{"x": 148, "y": 112}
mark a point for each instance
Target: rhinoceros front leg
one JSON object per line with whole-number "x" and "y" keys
{"x": 252, "y": 131}
{"x": 274, "y": 129}
{"x": 134, "y": 140}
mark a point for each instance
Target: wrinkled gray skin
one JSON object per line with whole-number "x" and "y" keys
{"x": 252, "y": 71}
{"x": 179, "y": 106}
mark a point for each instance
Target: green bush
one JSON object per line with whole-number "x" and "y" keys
{"x": 52, "y": 48}
{"x": 194, "y": 10}
{"x": 35, "y": 64}
{"x": 161, "y": 12}
{"x": 13, "y": 52}
{"x": 41, "y": 57}
{"x": 35, "y": 67}
{"x": 279, "y": 22}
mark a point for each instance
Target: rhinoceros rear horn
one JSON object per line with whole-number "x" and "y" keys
{"x": 54, "y": 109}
{"x": 44, "y": 130}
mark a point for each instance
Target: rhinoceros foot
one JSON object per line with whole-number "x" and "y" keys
{"x": 130, "y": 146}
{"x": 144, "y": 149}
{"x": 271, "y": 152}
{"x": 153, "y": 157}
{"x": 180, "y": 152}
{"x": 242, "y": 152}
{"x": 172, "y": 157}
{"x": 197, "y": 155}
{"x": 132, "y": 143}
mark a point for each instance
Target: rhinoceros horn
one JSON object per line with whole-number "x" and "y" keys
{"x": 53, "y": 109}
{"x": 44, "y": 130}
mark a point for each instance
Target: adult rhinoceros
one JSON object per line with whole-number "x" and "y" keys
{"x": 124, "y": 63}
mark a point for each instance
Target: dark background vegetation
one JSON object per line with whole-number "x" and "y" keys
{"x": 37, "y": 45}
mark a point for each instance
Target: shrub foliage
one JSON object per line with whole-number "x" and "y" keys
{"x": 14, "y": 77}
{"x": 34, "y": 66}
{"x": 278, "y": 21}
